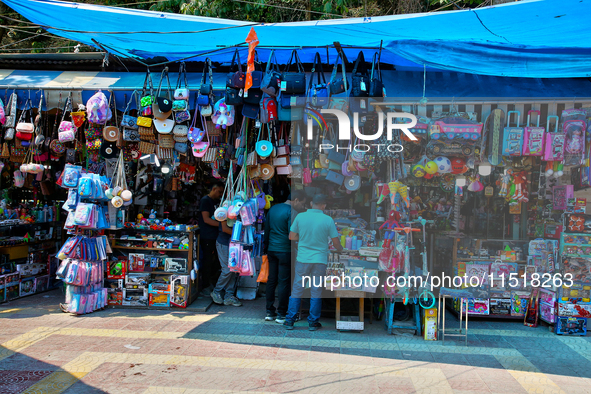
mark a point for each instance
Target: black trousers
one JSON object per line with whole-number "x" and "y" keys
{"x": 209, "y": 266}
{"x": 280, "y": 280}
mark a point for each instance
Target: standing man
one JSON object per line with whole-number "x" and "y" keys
{"x": 313, "y": 229}
{"x": 208, "y": 228}
{"x": 278, "y": 251}
{"x": 227, "y": 280}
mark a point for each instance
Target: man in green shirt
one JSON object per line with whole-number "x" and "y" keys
{"x": 313, "y": 230}
{"x": 278, "y": 251}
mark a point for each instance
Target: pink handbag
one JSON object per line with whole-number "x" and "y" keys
{"x": 67, "y": 131}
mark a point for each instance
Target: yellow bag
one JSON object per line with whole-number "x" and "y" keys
{"x": 144, "y": 122}
{"x": 264, "y": 273}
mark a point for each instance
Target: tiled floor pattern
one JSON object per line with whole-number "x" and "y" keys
{"x": 228, "y": 350}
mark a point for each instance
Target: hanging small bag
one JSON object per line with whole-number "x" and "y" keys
{"x": 338, "y": 85}
{"x": 317, "y": 93}
{"x": 293, "y": 82}
{"x": 182, "y": 93}
{"x": 376, "y": 87}
{"x": 162, "y": 106}
{"x": 67, "y": 130}
{"x": 272, "y": 77}
{"x": 206, "y": 88}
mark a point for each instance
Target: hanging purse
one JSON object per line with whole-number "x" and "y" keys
{"x": 199, "y": 149}
{"x": 11, "y": 111}
{"x": 67, "y": 130}
{"x": 293, "y": 82}
{"x": 24, "y": 129}
{"x": 147, "y": 100}
{"x": 206, "y": 88}
{"x": 264, "y": 148}
{"x": 181, "y": 93}
{"x": 317, "y": 93}
{"x": 376, "y": 87}
{"x": 338, "y": 85}
{"x": 162, "y": 106}
{"x": 272, "y": 77}
{"x": 236, "y": 79}
{"x": 359, "y": 78}
{"x": 129, "y": 121}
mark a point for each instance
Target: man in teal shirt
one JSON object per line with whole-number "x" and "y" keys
{"x": 278, "y": 250}
{"x": 313, "y": 230}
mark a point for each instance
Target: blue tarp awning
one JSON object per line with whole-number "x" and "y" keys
{"x": 535, "y": 38}
{"x": 401, "y": 86}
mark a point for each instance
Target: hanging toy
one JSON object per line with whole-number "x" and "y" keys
{"x": 384, "y": 192}
{"x": 504, "y": 180}
{"x": 558, "y": 172}
{"x": 419, "y": 170}
{"x": 549, "y": 168}
{"x": 392, "y": 223}
{"x": 431, "y": 168}
{"x": 475, "y": 184}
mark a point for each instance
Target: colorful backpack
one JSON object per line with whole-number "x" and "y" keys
{"x": 533, "y": 144}
{"x": 512, "y": 137}
{"x": 97, "y": 109}
{"x": 554, "y": 146}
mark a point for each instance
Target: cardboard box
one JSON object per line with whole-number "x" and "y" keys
{"x": 547, "y": 313}
{"x": 114, "y": 297}
{"x": 500, "y": 306}
{"x": 159, "y": 288}
{"x": 27, "y": 287}
{"x": 567, "y": 309}
{"x": 478, "y": 306}
{"x": 137, "y": 280}
{"x": 430, "y": 324}
{"x": 571, "y": 326}
{"x": 41, "y": 284}
{"x": 116, "y": 269}
{"x": 159, "y": 299}
{"x": 135, "y": 297}
{"x": 519, "y": 300}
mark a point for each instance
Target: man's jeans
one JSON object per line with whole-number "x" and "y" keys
{"x": 316, "y": 273}
{"x": 227, "y": 279}
{"x": 279, "y": 278}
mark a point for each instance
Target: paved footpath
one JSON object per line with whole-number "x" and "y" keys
{"x": 232, "y": 349}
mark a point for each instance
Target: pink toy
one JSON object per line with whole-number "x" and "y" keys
{"x": 533, "y": 144}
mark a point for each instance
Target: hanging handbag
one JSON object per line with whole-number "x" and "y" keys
{"x": 11, "y": 111}
{"x": 293, "y": 82}
{"x": 236, "y": 79}
{"x": 24, "y": 129}
{"x": 338, "y": 85}
{"x": 147, "y": 99}
{"x": 359, "y": 78}
{"x": 67, "y": 129}
{"x": 164, "y": 126}
{"x": 181, "y": 93}
{"x": 146, "y": 147}
{"x": 233, "y": 96}
{"x": 200, "y": 148}
{"x": 131, "y": 135}
{"x": 165, "y": 141}
{"x": 376, "y": 87}
{"x": 129, "y": 121}
{"x": 317, "y": 93}
{"x": 162, "y": 106}
{"x": 272, "y": 77}
{"x": 206, "y": 88}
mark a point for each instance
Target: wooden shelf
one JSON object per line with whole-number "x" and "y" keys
{"x": 138, "y": 248}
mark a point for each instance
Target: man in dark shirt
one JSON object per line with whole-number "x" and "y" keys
{"x": 208, "y": 228}
{"x": 278, "y": 250}
{"x": 227, "y": 280}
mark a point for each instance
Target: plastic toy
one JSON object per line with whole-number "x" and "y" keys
{"x": 392, "y": 223}
{"x": 533, "y": 143}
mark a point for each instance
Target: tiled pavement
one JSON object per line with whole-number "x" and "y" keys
{"x": 232, "y": 349}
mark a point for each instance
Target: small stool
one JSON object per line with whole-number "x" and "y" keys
{"x": 350, "y": 324}
{"x": 463, "y": 310}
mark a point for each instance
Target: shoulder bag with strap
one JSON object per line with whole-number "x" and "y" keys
{"x": 293, "y": 82}
{"x": 338, "y": 85}
{"x": 272, "y": 78}
{"x": 317, "y": 93}
{"x": 376, "y": 87}
{"x": 360, "y": 78}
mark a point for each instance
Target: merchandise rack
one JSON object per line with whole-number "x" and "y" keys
{"x": 191, "y": 253}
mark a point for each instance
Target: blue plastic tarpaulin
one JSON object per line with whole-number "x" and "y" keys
{"x": 539, "y": 38}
